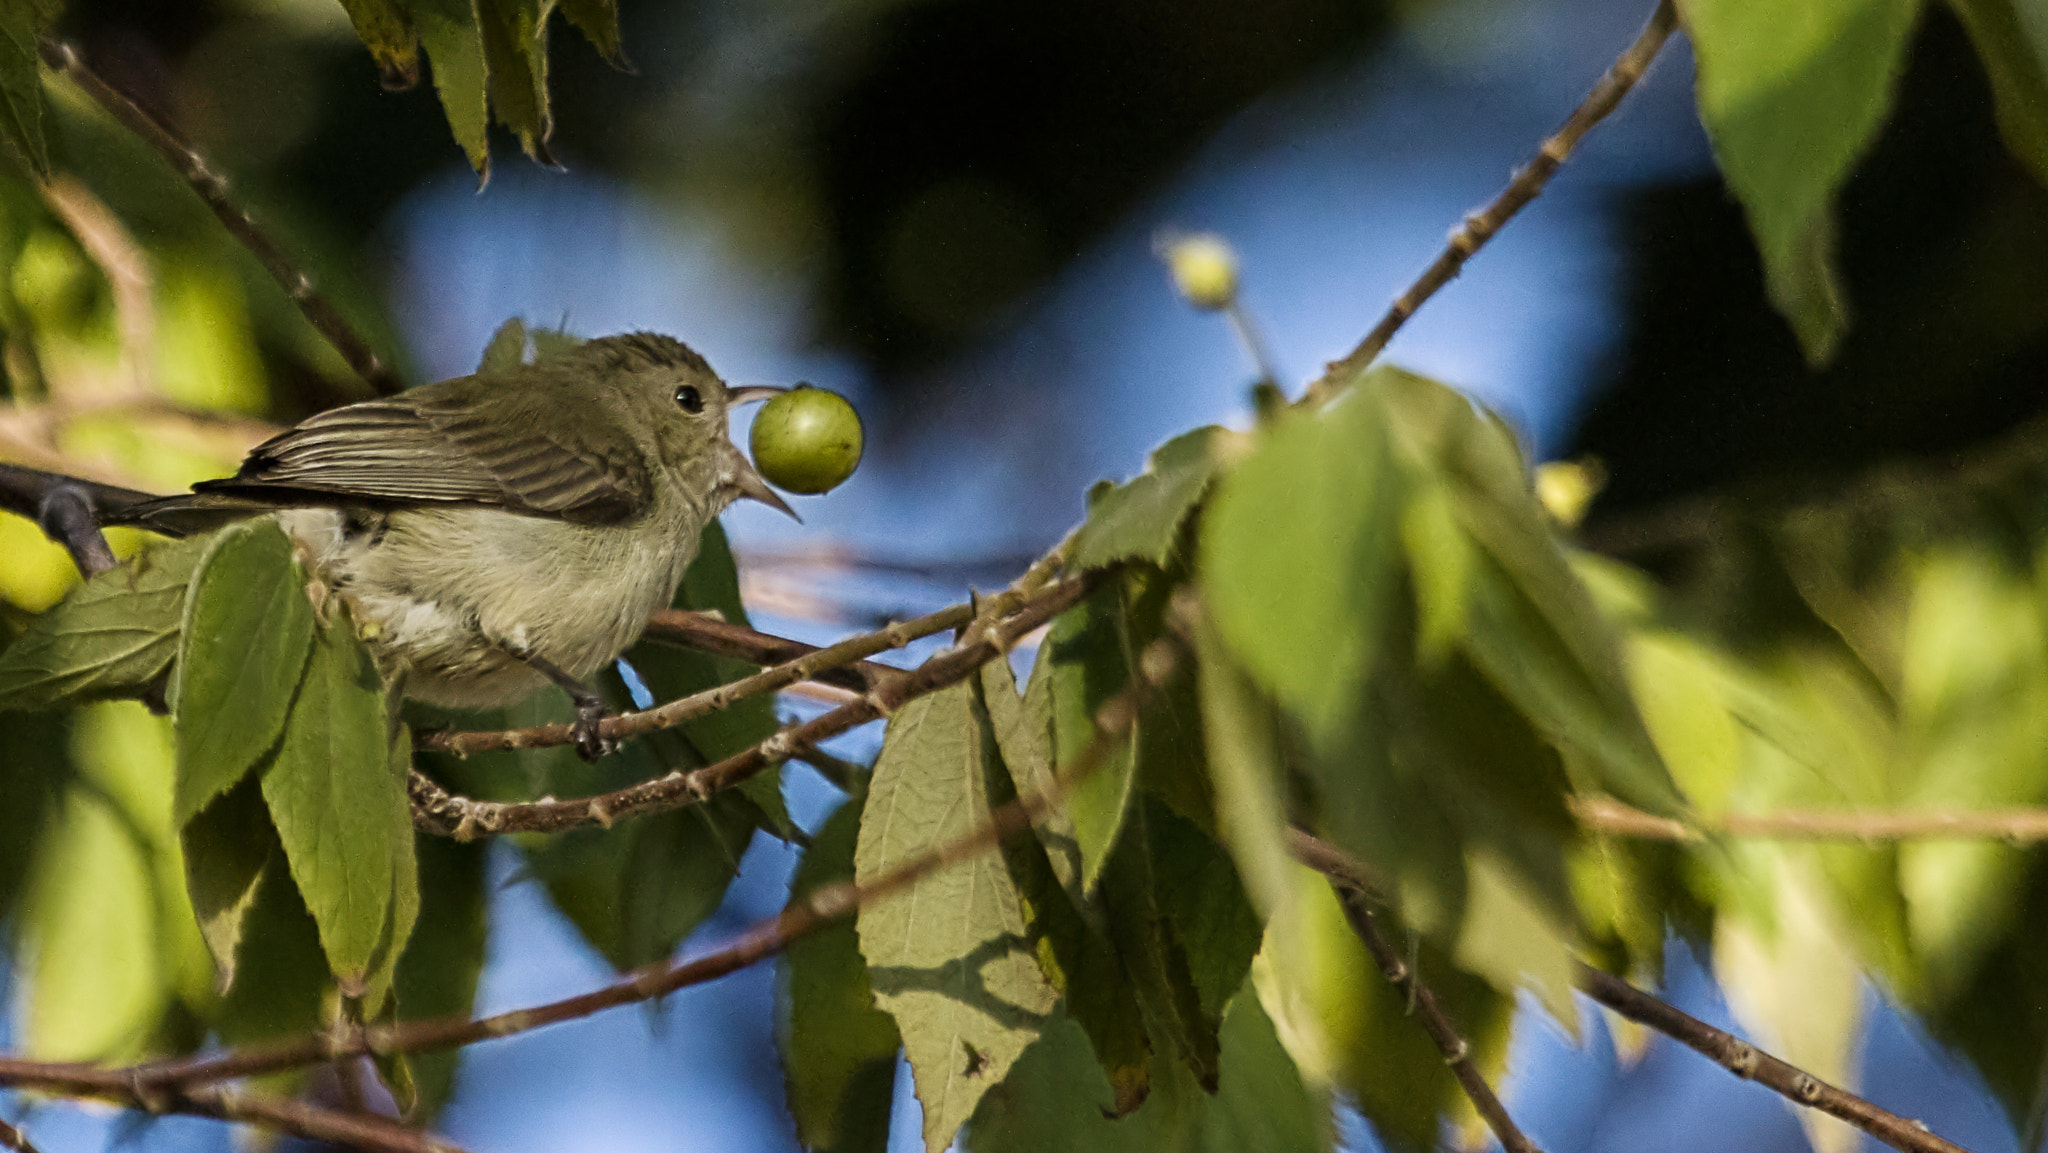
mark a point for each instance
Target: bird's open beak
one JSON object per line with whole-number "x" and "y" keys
{"x": 736, "y": 475}
{"x": 749, "y": 393}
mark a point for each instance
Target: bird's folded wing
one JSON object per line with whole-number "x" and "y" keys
{"x": 400, "y": 452}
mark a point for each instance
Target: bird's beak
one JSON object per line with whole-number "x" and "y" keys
{"x": 736, "y": 475}
{"x": 749, "y": 393}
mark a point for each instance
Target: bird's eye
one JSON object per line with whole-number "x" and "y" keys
{"x": 689, "y": 399}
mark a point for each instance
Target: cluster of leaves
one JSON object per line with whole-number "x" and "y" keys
{"x": 489, "y": 57}
{"x": 1792, "y": 95}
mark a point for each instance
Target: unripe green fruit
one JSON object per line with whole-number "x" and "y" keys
{"x": 807, "y": 440}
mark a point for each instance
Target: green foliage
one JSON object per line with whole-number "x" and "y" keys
{"x": 112, "y": 638}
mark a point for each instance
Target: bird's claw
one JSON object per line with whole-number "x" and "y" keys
{"x": 590, "y": 742}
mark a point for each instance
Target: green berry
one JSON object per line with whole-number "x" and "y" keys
{"x": 1204, "y": 269}
{"x": 807, "y": 440}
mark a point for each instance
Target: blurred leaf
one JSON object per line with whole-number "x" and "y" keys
{"x": 1052, "y": 1100}
{"x": 21, "y": 81}
{"x": 448, "y": 31}
{"x": 2014, "y": 48}
{"x": 248, "y": 631}
{"x": 282, "y": 985}
{"x": 1791, "y": 95}
{"x": 384, "y": 28}
{"x": 336, "y": 790}
{"x": 438, "y": 972}
{"x": 1244, "y": 758}
{"x": 515, "y": 43}
{"x": 950, "y": 958}
{"x": 112, "y": 637}
{"x": 1794, "y": 984}
{"x": 1513, "y": 938}
{"x": 226, "y": 846}
{"x": 1085, "y": 661}
{"x": 1140, "y": 519}
{"x": 36, "y": 771}
{"x": 1296, "y": 559}
{"x": 599, "y": 20}
{"x": 96, "y": 986}
{"x": 1525, "y": 620}
{"x": 838, "y": 1049}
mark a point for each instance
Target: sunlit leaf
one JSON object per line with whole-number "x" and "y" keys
{"x": 383, "y": 27}
{"x": 1791, "y": 95}
{"x": 1140, "y": 519}
{"x": 599, "y": 20}
{"x": 336, "y": 793}
{"x": 448, "y": 31}
{"x": 112, "y": 637}
{"x": 248, "y": 631}
{"x": 1085, "y": 661}
{"x": 1297, "y": 559}
{"x": 515, "y": 44}
{"x": 838, "y": 1049}
{"x": 950, "y": 958}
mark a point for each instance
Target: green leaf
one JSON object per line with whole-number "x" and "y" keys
{"x": 112, "y": 637}
{"x": 1023, "y": 732}
{"x": 282, "y": 986}
{"x": 506, "y": 350}
{"x": 1296, "y": 560}
{"x": 383, "y": 27}
{"x": 226, "y": 846}
{"x": 448, "y": 31}
{"x": 1791, "y": 95}
{"x": 438, "y": 972}
{"x": 599, "y": 20}
{"x": 950, "y": 958}
{"x": 1140, "y": 519}
{"x": 2013, "y": 43}
{"x": 336, "y": 790}
{"x": 1085, "y": 661}
{"x": 1527, "y": 622}
{"x": 36, "y": 770}
{"x": 838, "y": 1050}
{"x": 1052, "y": 1100}
{"x": 515, "y": 43}
{"x": 247, "y": 632}
{"x": 1244, "y": 758}
{"x": 21, "y": 81}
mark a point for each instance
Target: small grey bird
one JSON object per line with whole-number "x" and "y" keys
{"x": 500, "y": 531}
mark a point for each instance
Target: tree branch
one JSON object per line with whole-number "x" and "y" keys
{"x": 2023, "y": 825}
{"x": 212, "y": 188}
{"x": 1159, "y": 662}
{"x": 1002, "y": 621}
{"x": 1348, "y": 880}
{"x": 1527, "y": 185}
{"x": 1732, "y": 1053}
{"x": 366, "y": 1131}
{"x": 1753, "y": 1064}
{"x": 14, "y": 1139}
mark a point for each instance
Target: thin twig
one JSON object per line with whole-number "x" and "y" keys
{"x": 2018, "y": 826}
{"x": 1732, "y": 1053}
{"x": 14, "y": 1139}
{"x": 212, "y": 188}
{"x": 122, "y": 262}
{"x": 1753, "y": 1064}
{"x": 1347, "y": 881}
{"x": 437, "y": 811}
{"x": 708, "y": 634}
{"x": 1159, "y": 662}
{"x": 1528, "y": 183}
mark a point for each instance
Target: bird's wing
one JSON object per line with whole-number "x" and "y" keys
{"x": 411, "y": 451}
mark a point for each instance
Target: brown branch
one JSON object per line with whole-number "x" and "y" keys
{"x": 1732, "y": 1053}
{"x": 1348, "y": 881}
{"x": 1527, "y": 185}
{"x": 212, "y": 188}
{"x": 366, "y": 1131}
{"x": 14, "y": 1139}
{"x": 121, "y": 261}
{"x": 1004, "y": 620}
{"x": 708, "y": 634}
{"x": 2025, "y": 825}
{"x": 1111, "y": 724}
{"x": 1753, "y": 1064}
